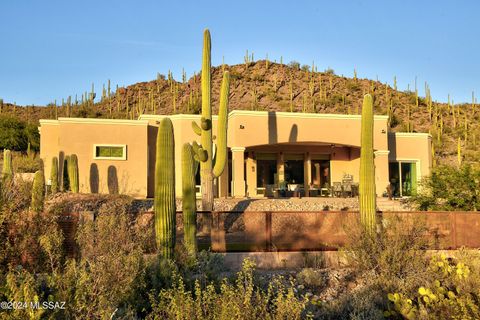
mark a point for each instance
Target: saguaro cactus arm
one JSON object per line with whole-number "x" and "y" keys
{"x": 196, "y": 128}
{"x": 221, "y": 150}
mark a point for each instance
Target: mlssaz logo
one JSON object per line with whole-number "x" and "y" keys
{"x": 50, "y": 305}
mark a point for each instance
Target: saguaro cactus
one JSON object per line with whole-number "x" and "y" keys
{"x": 7, "y": 170}
{"x": 54, "y": 175}
{"x": 73, "y": 173}
{"x": 205, "y": 129}
{"x": 38, "y": 191}
{"x": 367, "y": 195}
{"x": 459, "y": 152}
{"x": 164, "y": 201}
{"x": 189, "y": 200}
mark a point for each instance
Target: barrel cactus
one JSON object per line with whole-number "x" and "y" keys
{"x": 73, "y": 173}
{"x": 38, "y": 191}
{"x": 7, "y": 170}
{"x": 54, "y": 175}
{"x": 209, "y": 171}
{"x": 189, "y": 200}
{"x": 367, "y": 195}
{"x": 164, "y": 201}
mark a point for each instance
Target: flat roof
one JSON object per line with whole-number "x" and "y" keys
{"x": 93, "y": 121}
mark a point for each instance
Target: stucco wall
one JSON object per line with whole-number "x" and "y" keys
{"x": 412, "y": 147}
{"x": 335, "y": 135}
{"x": 78, "y": 136}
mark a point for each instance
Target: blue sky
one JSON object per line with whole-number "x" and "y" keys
{"x": 51, "y": 49}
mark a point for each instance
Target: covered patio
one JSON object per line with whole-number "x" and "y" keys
{"x": 302, "y": 169}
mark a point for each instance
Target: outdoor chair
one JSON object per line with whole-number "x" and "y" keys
{"x": 314, "y": 190}
{"x": 337, "y": 189}
{"x": 347, "y": 189}
{"x": 354, "y": 189}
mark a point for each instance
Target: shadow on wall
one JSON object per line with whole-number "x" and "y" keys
{"x": 293, "y": 134}
{"x": 94, "y": 178}
{"x": 112, "y": 180}
{"x": 272, "y": 128}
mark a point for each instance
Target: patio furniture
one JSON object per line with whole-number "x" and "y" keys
{"x": 314, "y": 191}
{"x": 261, "y": 191}
{"x": 337, "y": 189}
{"x": 270, "y": 190}
{"x": 324, "y": 192}
{"x": 354, "y": 189}
{"x": 347, "y": 189}
{"x": 347, "y": 178}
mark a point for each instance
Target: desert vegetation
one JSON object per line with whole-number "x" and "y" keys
{"x": 115, "y": 270}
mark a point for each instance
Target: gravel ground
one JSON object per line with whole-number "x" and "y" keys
{"x": 287, "y": 204}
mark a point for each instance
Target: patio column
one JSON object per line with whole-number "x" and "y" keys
{"x": 238, "y": 180}
{"x": 381, "y": 171}
{"x": 251, "y": 175}
{"x": 307, "y": 172}
{"x": 317, "y": 174}
{"x": 280, "y": 168}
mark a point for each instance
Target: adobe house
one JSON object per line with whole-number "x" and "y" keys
{"x": 265, "y": 149}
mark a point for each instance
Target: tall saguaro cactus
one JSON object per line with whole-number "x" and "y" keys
{"x": 189, "y": 200}
{"x": 209, "y": 171}
{"x": 54, "y": 175}
{"x": 164, "y": 202}
{"x": 367, "y": 195}
{"x": 38, "y": 191}
{"x": 7, "y": 171}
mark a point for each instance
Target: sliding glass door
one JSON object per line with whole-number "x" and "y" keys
{"x": 403, "y": 178}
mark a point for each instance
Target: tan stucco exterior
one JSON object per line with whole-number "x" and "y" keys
{"x": 280, "y": 136}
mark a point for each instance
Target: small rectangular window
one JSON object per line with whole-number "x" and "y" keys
{"x": 110, "y": 152}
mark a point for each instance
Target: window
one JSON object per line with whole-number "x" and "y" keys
{"x": 110, "y": 152}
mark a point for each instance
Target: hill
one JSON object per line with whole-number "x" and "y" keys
{"x": 264, "y": 85}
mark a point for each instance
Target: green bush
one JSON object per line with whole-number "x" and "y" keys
{"x": 449, "y": 188}
{"x": 15, "y": 134}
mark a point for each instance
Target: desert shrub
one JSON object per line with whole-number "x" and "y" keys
{"x": 311, "y": 278}
{"x": 390, "y": 260}
{"x": 353, "y": 86}
{"x": 329, "y": 71}
{"x": 294, "y": 65}
{"x": 22, "y": 163}
{"x": 395, "y": 254}
{"x": 395, "y": 121}
{"x": 238, "y": 300}
{"x": 110, "y": 269}
{"x": 449, "y": 188}
{"x": 453, "y": 294}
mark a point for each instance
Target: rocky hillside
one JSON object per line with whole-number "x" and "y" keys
{"x": 264, "y": 85}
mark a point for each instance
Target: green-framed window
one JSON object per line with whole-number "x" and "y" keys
{"x": 110, "y": 151}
